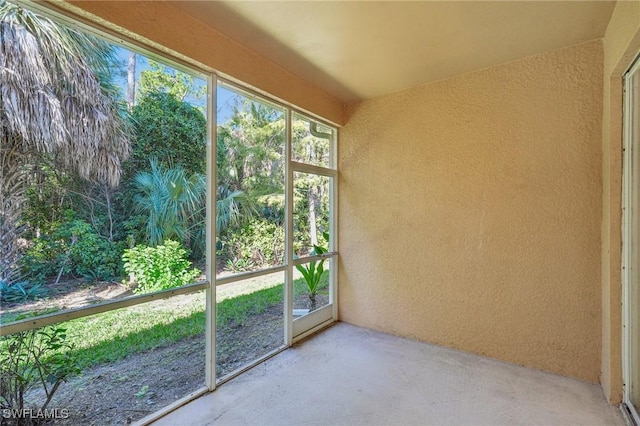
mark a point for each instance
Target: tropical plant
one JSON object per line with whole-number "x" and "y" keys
{"x": 30, "y": 359}
{"x": 159, "y": 268}
{"x": 20, "y": 292}
{"x": 56, "y": 107}
{"x": 232, "y": 208}
{"x": 312, "y": 273}
{"x": 172, "y": 201}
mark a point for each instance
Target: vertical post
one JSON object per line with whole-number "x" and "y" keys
{"x": 210, "y": 338}
{"x": 333, "y": 225}
{"x": 288, "y": 287}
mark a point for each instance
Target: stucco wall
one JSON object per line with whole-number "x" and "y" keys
{"x": 470, "y": 212}
{"x": 621, "y": 44}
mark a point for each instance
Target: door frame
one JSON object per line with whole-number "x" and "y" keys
{"x": 627, "y": 189}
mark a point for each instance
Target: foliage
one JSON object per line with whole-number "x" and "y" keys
{"x": 162, "y": 79}
{"x": 57, "y": 108}
{"x": 259, "y": 243}
{"x": 45, "y": 202}
{"x": 170, "y": 130}
{"x": 173, "y": 203}
{"x": 20, "y": 292}
{"x": 72, "y": 247}
{"x": 310, "y": 142}
{"x": 232, "y": 208}
{"x": 250, "y": 155}
{"x": 239, "y": 264}
{"x": 159, "y": 268}
{"x": 40, "y": 110}
{"x": 34, "y": 358}
{"x": 312, "y": 273}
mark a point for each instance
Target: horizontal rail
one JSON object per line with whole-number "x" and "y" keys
{"x": 247, "y": 275}
{"x": 314, "y": 258}
{"x": 56, "y": 317}
{"x": 311, "y": 169}
{"x": 253, "y": 274}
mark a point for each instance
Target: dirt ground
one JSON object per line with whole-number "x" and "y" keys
{"x": 128, "y": 390}
{"x": 123, "y": 392}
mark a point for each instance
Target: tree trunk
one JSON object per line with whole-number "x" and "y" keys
{"x": 12, "y": 198}
{"x": 313, "y": 200}
{"x": 131, "y": 81}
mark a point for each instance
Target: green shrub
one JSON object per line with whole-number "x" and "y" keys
{"x": 259, "y": 243}
{"x": 31, "y": 359}
{"x": 75, "y": 248}
{"x": 159, "y": 268}
{"x": 44, "y": 259}
{"x": 20, "y": 292}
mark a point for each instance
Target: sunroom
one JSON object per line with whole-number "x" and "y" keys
{"x": 399, "y": 205}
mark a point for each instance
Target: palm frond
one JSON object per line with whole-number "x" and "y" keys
{"x": 52, "y": 96}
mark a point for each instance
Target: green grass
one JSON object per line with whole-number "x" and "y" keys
{"x": 113, "y": 335}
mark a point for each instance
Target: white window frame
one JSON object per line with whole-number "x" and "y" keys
{"x": 627, "y": 212}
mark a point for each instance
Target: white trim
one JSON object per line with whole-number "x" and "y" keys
{"x": 311, "y": 320}
{"x": 288, "y": 293}
{"x": 333, "y": 228}
{"x": 246, "y": 275}
{"x": 314, "y": 258}
{"x": 210, "y": 336}
{"x": 314, "y": 330}
{"x": 312, "y": 169}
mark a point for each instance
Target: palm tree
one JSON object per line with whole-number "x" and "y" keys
{"x": 56, "y": 105}
{"x": 172, "y": 201}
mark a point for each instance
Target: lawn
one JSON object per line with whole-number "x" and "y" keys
{"x": 113, "y": 335}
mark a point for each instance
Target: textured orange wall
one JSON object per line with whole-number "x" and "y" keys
{"x": 470, "y": 212}
{"x": 165, "y": 24}
{"x": 621, "y": 45}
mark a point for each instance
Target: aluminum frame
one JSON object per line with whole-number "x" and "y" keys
{"x": 627, "y": 212}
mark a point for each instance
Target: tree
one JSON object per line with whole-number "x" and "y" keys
{"x": 250, "y": 155}
{"x": 131, "y": 81}
{"x": 162, "y": 79}
{"x": 311, "y": 145}
{"x": 173, "y": 202}
{"x": 57, "y": 107}
{"x": 170, "y": 130}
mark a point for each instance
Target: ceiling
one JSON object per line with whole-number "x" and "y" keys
{"x": 361, "y": 49}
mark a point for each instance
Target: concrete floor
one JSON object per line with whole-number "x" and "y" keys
{"x": 352, "y": 376}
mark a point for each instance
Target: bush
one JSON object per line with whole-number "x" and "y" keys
{"x": 159, "y": 268}
{"x": 259, "y": 243}
{"x": 20, "y": 292}
{"x": 75, "y": 248}
{"x": 38, "y": 357}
